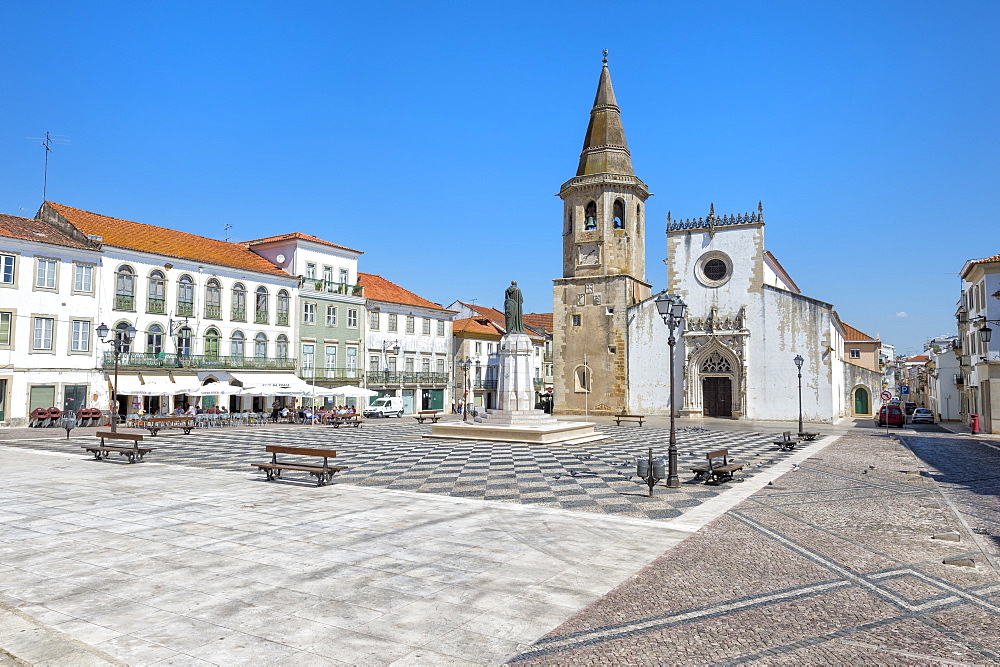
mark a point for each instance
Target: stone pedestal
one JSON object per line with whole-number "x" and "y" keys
{"x": 516, "y": 419}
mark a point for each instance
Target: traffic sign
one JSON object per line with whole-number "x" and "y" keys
{"x": 886, "y": 395}
{"x": 904, "y": 389}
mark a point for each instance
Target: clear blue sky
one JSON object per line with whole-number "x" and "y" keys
{"x": 433, "y": 135}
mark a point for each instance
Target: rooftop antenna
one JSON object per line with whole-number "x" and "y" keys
{"x": 226, "y": 229}
{"x": 47, "y": 142}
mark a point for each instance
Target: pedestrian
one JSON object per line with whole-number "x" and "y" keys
{"x": 275, "y": 411}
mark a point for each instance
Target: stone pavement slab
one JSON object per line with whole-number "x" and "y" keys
{"x": 151, "y": 563}
{"x": 834, "y": 562}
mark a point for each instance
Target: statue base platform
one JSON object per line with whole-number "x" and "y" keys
{"x": 531, "y": 426}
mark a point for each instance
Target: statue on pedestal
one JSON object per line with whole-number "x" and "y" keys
{"x": 512, "y": 306}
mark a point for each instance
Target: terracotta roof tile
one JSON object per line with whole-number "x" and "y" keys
{"x": 479, "y": 326}
{"x": 297, "y": 236}
{"x": 120, "y": 233}
{"x": 30, "y": 229}
{"x": 852, "y": 334}
{"x": 492, "y": 313}
{"x": 920, "y": 358}
{"x": 538, "y": 320}
{"x": 994, "y": 258}
{"x": 378, "y": 288}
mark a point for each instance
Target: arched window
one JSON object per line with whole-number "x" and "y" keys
{"x": 184, "y": 342}
{"x": 260, "y": 345}
{"x": 213, "y": 299}
{"x": 281, "y": 347}
{"x": 125, "y": 288}
{"x": 590, "y": 216}
{"x": 155, "y": 301}
{"x": 716, "y": 363}
{"x": 569, "y": 221}
{"x": 212, "y": 342}
{"x": 154, "y": 339}
{"x": 619, "y": 214}
{"x": 239, "y": 303}
{"x": 260, "y": 306}
{"x": 282, "y": 308}
{"x": 185, "y": 295}
{"x": 126, "y": 345}
{"x": 236, "y": 344}
{"x": 582, "y": 379}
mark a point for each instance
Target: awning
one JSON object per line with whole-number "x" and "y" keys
{"x": 127, "y": 382}
{"x": 186, "y": 383}
{"x": 283, "y": 381}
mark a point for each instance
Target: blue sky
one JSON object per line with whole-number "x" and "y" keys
{"x": 433, "y": 135}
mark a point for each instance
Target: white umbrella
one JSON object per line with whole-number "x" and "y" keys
{"x": 217, "y": 389}
{"x": 350, "y": 390}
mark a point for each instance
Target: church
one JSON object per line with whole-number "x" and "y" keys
{"x": 746, "y": 318}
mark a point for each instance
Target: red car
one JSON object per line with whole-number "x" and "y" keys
{"x": 891, "y": 414}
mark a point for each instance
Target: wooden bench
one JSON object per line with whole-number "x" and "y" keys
{"x": 323, "y": 473}
{"x": 809, "y": 436}
{"x": 787, "y": 442}
{"x": 155, "y": 424}
{"x": 433, "y": 415}
{"x": 716, "y": 473}
{"x": 134, "y": 453}
{"x": 336, "y": 420}
{"x": 620, "y": 418}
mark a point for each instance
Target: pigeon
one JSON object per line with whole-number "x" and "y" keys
{"x": 573, "y": 473}
{"x": 864, "y": 472}
{"x": 556, "y": 476}
{"x": 871, "y": 467}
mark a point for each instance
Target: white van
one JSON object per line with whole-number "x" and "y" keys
{"x": 385, "y": 406}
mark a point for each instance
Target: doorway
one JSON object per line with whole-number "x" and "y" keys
{"x": 717, "y": 396}
{"x": 861, "y": 403}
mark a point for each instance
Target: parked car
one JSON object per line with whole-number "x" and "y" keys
{"x": 910, "y": 406}
{"x": 923, "y": 416}
{"x": 384, "y": 407}
{"x": 891, "y": 414}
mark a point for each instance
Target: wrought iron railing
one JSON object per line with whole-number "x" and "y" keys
{"x": 185, "y": 308}
{"x": 239, "y": 315}
{"x": 124, "y": 302}
{"x": 164, "y": 360}
{"x": 260, "y": 317}
{"x": 156, "y": 306}
{"x": 213, "y": 312}
{"x": 394, "y": 377}
{"x": 333, "y": 287}
{"x": 324, "y": 373}
{"x": 281, "y": 320}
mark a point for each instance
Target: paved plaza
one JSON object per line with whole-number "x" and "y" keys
{"x": 481, "y": 553}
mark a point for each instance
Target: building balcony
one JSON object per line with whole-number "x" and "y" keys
{"x": 140, "y": 360}
{"x": 260, "y": 317}
{"x": 332, "y": 287}
{"x": 213, "y": 312}
{"x": 394, "y": 377}
{"x": 238, "y": 315}
{"x": 158, "y": 306}
{"x": 281, "y": 320}
{"x": 324, "y": 374}
{"x": 124, "y": 302}
{"x": 185, "y": 309}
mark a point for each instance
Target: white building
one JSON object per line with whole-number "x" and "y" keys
{"x": 978, "y": 321}
{"x": 408, "y": 345}
{"x": 49, "y": 284}
{"x": 944, "y": 379}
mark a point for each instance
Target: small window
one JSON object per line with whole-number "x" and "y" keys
{"x": 81, "y": 336}
{"x": 373, "y": 320}
{"x": 5, "y": 320}
{"x": 308, "y": 356}
{"x": 440, "y": 327}
{"x": 408, "y": 365}
{"x": 311, "y": 271}
{"x": 479, "y": 348}
{"x": 410, "y": 324}
{"x": 83, "y": 278}
{"x": 855, "y": 353}
{"x": 576, "y": 320}
{"x": 260, "y": 345}
{"x": 393, "y": 323}
{"x": 427, "y": 326}
{"x": 42, "y": 333}
{"x": 154, "y": 339}
{"x": 308, "y": 313}
{"x": 619, "y": 214}
{"x": 237, "y": 344}
{"x": 45, "y": 276}
{"x": 331, "y": 316}
{"x": 6, "y": 269}
{"x": 590, "y": 216}
{"x": 281, "y": 347}
{"x": 715, "y": 269}
{"x": 373, "y": 363}
{"x": 352, "y": 318}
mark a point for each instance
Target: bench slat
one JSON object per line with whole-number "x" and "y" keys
{"x": 114, "y": 435}
{"x": 301, "y": 451}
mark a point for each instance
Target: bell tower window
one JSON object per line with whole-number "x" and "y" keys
{"x": 619, "y": 214}
{"x": 590, "y": 216}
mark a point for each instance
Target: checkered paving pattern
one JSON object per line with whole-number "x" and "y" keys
{"x": 594, "y": 477}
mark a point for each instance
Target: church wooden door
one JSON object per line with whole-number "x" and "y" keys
{"x": 717, "y": 397}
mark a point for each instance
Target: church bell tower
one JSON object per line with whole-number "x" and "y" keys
{"x": 604, "y": 267}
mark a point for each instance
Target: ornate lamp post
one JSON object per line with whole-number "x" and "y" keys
{"x": 119, "y": 343}
{"x": 386, "y": 346}
{"x": 798, "y": 364}
{"x": 465, "y": 364}
{"x": 672, "y": 309}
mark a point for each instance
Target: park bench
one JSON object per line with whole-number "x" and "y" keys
{"x": 620, "y": 418}
{"x": 787, "y": 442}
{"x": 713, "y": 472}
{"x": 336, "y": 420}
{"x": 323, "y": 473}
{"x": 433, "y": 415}
{"x": 134, "y": 453}
{"x": 155, "y": 424}
{"x": 809, "y": 436}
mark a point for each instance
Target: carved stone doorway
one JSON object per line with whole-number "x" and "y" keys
{"x": 717, "y": 396}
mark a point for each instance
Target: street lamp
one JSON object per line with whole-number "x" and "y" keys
{"x": 465, "y": 364}
{"x": 119, "y": 342}
{"x": 798, "y": 364}
{"x": 386, "y": 346}
{"x": 671, "y": 308}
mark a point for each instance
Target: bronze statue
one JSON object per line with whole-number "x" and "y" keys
{"x": 512, "y": 309}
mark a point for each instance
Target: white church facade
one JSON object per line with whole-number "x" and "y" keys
{"x": 746, "y": 319}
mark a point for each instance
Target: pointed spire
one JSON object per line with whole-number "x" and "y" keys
{"x": 605, "y": 149}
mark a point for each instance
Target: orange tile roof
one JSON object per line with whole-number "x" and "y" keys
{"x": 29, "y": 229}
{"x": 492, "y": 313}
{"x": 538, "y": 320}
{"x": 378, "y": 288}
{"x": 478, "y": 326}
{"x": 994, "y": 258}
{"x": 852, "y": 334}
{"x": 297, "y": 236}
{"x": 120, "y": 233}
{"x": 919, "y": 358}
